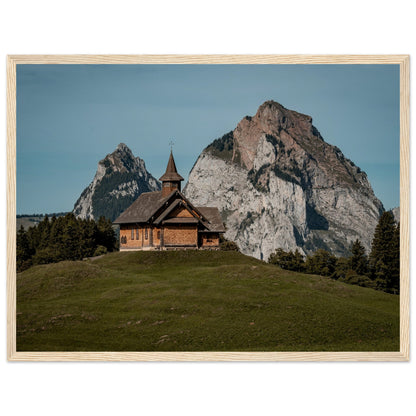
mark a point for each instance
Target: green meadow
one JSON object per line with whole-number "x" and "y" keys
{"x": 196, "y": 301}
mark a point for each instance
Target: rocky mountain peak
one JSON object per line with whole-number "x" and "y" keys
{"x": 120, "y": 179}
{"x": 286, "y": 141}
{"x": 274, "y": 120}
{"x": 274, "y": 117}
{"x": 121, "y": 160}
{"x": 123, "y": 147}
{"x": 279, "y": 184}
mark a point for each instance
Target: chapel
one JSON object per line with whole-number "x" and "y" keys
{"x": 166, "y": 219}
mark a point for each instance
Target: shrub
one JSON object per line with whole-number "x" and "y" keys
{"x": 100, "y": 250}
{"x": 228, "y": 245}
{"x": 45, "y": 256}
{"x": 355, "y": 279}
{"x": 288, "y": 260}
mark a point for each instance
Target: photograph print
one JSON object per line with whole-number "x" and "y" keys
{"x": 208, "y": 208}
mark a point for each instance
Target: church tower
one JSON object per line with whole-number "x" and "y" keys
{"x": 171, "y": 180}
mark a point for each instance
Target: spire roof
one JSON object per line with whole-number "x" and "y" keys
{"x": 171, "y": 173}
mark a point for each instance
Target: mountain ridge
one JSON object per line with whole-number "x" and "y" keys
{"x": 274, "y": 177}
{"x": 120, "y": 178}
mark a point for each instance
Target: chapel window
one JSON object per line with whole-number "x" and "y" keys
{"x": 146, "y": 233}
{"x": 132, "y": 234}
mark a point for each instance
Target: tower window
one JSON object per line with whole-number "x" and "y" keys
{"x": 170, "y": 185}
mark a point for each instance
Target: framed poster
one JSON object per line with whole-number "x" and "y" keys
{"x": 289, "y": 240}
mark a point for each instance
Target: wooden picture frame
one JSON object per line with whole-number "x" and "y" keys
{"x": 401, "y": 60}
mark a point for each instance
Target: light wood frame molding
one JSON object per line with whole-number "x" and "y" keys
{"x": 402, "y": 60}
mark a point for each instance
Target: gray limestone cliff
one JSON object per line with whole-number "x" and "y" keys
{"x": 396, "y": 214}
{"x": 278, "y": 184}
{"x": 120, "y": 179}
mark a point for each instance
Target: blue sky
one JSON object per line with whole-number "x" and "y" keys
{"x": 70, "y": 116}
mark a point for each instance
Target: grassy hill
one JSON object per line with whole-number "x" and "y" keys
{"x": 28, "y": 221}
{"x": 32, "y": 220}
{"x": 196, "y": 301}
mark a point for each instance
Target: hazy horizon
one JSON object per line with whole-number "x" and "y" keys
{"x": 71, "y": 116}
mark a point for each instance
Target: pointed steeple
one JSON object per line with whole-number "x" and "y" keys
{"x": 171, "y": 180}
{"x": 171, "y": 173}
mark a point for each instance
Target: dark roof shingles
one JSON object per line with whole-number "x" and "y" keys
{"x": 147, "y": 204}
{"x": 142, "y": 208}
{"x": 171, "y": 173}
{"x": 212, "y": 214}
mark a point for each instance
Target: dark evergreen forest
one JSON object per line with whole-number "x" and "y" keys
{"x": 63, "y": 238}
{"x": 379, "y": 270}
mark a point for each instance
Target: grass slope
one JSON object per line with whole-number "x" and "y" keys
{"x": 27, "y": 222}
{"x": 196, "y": 301}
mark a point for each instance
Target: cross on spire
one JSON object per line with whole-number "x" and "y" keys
{"x": 171, "y": 143}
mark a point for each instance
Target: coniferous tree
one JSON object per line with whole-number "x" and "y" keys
{"x": 71, "y": 239}
{"x": 106, "y": 236}
{"x": 89, "y": 233}
{"x": 342, "y": 266}
{"x": 44, "y": 228}
{"x": 394, "y": 282}
{"x": 358, "y": 261}
{"x": 384, "y": 258}
{"x": 24, "y": 251}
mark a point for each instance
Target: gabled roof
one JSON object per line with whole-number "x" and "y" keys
{"x": 189, "y": 204}
{"x": 178, "y": 202}
{"x": 150, "y": 204}
{"x": 171, "y": 173}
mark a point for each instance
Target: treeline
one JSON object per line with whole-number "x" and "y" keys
{"x": 56, "y": 214}
{"x": 380, "y": 270}
{"x": 63, "y": 238}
